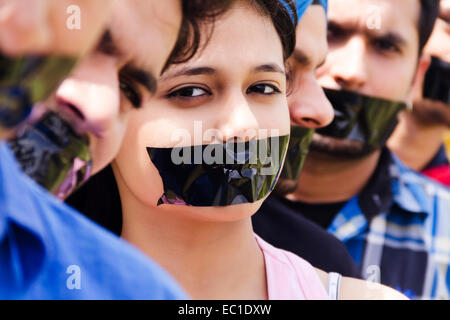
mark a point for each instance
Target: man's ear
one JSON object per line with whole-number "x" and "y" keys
{"x": 417, "y": 85}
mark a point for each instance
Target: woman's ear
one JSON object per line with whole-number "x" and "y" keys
{"x": 417, "y": 86}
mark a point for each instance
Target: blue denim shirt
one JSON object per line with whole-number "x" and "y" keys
{"x": 50, "y": 251}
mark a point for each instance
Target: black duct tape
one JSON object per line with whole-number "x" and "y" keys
{"x": 53, "y": 155}
{"x": 358, "y": 117}
{"x": 297, "y": 151}
{"x": 27, "y": 80}
{"x": 219, "y": 174}
{"x": 437, "y": 81}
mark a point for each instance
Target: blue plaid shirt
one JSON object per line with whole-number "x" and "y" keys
{"x": 405, "y": 241}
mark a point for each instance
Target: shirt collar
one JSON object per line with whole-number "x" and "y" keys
{"x": 412, "y": 191}
{"x": 395, "y": 183}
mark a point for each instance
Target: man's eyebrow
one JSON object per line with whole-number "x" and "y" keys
{"x": 347, "y": 29}
{"x": 271, "y": 67}
{"x": 145, "y": 78}
{"x": 107, "y": 46}
{"x": 301, "y": 58}
{"x": 391, "y": 37}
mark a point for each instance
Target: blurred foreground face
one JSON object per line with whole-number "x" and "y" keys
{"x": 40, "y": 42}
{"x": 66, "y": 27}
{"x": 120, "y": 75}
{"x": 373, "y": 50}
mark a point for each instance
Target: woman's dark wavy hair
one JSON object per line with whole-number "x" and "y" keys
{"x": 99, "y": 198}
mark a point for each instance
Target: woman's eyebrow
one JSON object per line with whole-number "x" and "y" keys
{"x": 189, "y": 71}
{"x": 271, "y": 67}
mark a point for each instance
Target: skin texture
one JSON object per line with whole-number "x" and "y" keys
{"x": 216, "y": 244}
{"x": 30, "y": 26}
{"x": 92, "y": 97}
{"x": 419, "y": 133}
{"x": 356, "y": 56}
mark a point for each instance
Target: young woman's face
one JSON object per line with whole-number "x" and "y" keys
{"x": 235, "y": 85}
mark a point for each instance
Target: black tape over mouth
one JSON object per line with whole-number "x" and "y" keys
{"x": 297, "y": 151}
{"x": 53, "y": 155}
{"x": 27, "y": 80}
{"x": 361, "y": 118}
{"x": 437, "y": 81}
{"x": 241, "y": 173}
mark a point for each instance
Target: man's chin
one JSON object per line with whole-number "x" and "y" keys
{"x": 432, "y": 113}
{"x": 339, "y": 148}
{"x": 285, "y": 187}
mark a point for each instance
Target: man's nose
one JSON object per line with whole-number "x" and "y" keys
{"x": 349, "y": 69}
{"x": 92, "y": 93}
{"x": 308, "y": 105}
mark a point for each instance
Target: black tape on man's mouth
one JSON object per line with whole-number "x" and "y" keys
{"x": 361, "y": 118}
{"x": 219, "y": 174}
{"x": 437, "y": 81}
{"x": 297, "y": 151}
{"x": 27, "y": 80}
{"x": 53, "y": 155}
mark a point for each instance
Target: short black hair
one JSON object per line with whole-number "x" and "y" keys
{"x": 429, "y": 12}
{"x": 194, "y": 12}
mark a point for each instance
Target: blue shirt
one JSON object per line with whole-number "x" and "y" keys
{"x": 404, "y": 240}
{"x": 50, "y": 251}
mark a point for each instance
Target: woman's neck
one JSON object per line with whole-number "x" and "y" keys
{"x": 211, "y": 260}
{"x": 326, "y": 180}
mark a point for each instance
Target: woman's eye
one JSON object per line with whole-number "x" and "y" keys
{"x": 188, "y": 92}
{"x": 263, "y": 89}
{"x": 131, "y": 92}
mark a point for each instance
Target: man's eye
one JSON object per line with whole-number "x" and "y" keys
{"x": 386, "y": 46}
{"x": 130, "y": 91}
{"x": 265, "y": 89}
{"x": 188, "y": 92}
{"x": 335, "y": 34}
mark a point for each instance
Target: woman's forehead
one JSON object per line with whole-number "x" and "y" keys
{"x": 241, "y": 40}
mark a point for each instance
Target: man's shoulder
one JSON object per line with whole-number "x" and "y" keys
{"x": 425, "y": 193}
{"x": 102, "y": 256}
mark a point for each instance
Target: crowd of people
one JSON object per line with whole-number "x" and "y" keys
{"x": 224, "y": 149}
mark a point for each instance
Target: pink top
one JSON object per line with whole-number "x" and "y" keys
{"x": 289, "y": 277}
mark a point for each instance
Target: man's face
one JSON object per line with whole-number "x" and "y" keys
{"x": 120, "y": 75}
{"x": 373, "y": 50}
{"x": 59, "y": 32}
{"x": 308, "y": 105}
{"x": 433, "y": 112}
